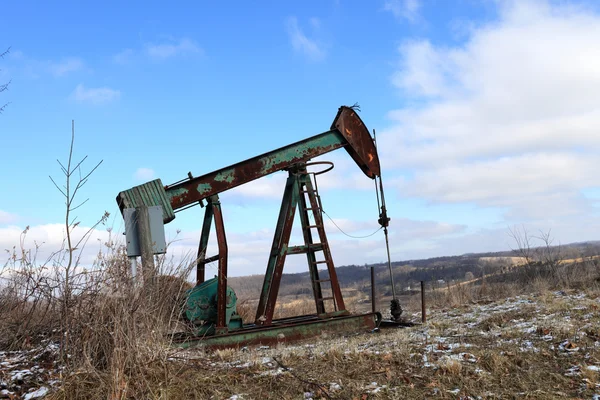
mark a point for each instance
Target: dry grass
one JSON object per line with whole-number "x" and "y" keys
{"x": 542, "y": 344}
{"x": 446, "y": 360}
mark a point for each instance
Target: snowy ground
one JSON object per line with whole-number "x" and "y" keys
{"x": 29, "y": 374}
{"x": 538, "y": 346}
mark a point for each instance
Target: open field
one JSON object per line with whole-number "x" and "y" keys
{"x": 540, "y": 346}
{"x": 526, "y": 332}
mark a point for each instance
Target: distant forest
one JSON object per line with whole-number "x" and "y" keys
{"x": 407, "y": 273}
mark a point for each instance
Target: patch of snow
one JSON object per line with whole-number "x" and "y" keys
{"x": 334, "y": 387}
{"x": 273, "y": 372}
{"x": 573, "y": 371}
{"x": 20, "y": 375}
{"x": 38, "y": 394}
{"x": 527, "y": 345}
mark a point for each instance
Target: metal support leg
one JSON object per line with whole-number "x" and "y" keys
{"x": 222, "y": 274}
{"x": 200, "y": 261}
{"x": 268, "y": 297}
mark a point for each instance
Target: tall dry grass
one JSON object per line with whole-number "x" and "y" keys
{"x": 118, "y": 332}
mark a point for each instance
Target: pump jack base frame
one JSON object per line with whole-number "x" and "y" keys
{"x": 283, "y": 330}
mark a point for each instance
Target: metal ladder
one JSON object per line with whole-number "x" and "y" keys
{"x": 310, "y": 204}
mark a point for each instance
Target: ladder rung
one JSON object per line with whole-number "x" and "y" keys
{"x": 320, "y": 262}
{"x": 322, "y": 280}
{"x": 314, "y": 226}
{"x": 305, "y": 249}
{"x": 325, "y": 298}
{"x": 210, "y": 259}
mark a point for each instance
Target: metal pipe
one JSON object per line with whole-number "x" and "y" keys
{"x": 373, "y": 300}
{"x": 387, "y": 246}
{"x": 146, "y": 250}
{"x": 222, "y": 275}
{"x": 423, "y": 305}
{"x": 133, "y": 261}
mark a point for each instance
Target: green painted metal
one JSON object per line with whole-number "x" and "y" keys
{"x": 201, "y": 307}
{"x": 204, "y": 236}
{"x": 282, "y": 331}
{"x": 304, "y": 181}
{"x": 148, "y": 194}
{"x": 278, "y": 253}
{"x": 201, "y": 187}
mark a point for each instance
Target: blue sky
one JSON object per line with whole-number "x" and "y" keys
{"x": 486, "y": 114}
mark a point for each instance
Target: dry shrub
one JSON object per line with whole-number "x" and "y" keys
{"x": 301, "y": 306}
{"x": 122, "y": 347}
{"x": 450, "y": 366}
{"x": 117, "y": 332}
{"x": 246, "y": 308}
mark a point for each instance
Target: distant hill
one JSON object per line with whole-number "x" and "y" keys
{"x": 407, "y": 273}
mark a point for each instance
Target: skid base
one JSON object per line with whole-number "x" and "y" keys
{"x": 283, "y": 331}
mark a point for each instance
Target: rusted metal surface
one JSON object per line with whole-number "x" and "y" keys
{"x": 361, "y": 148}
{"x": 347, "y": 131}
{"x": 373, "y": 298}
{"x": 204, "y": 236}
{"x": 284, "y": 331}
{"x": 299, "y": 192}
{"x": 148, "y": 194}
{"x": 423, "y": 305}
{"x": 201, "y": 187}
{"x": 310, "y": 253}
{"x": 268, "y": 297}
{"x": 222, "y": 271}
{"x": 318, "y": 217}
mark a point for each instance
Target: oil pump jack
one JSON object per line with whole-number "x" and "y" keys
{"x": 210, "y": 306}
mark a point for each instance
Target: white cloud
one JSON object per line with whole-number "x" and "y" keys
{"x": 510, "y": 114}
{"x": 48, "y": 239}
{"x": 123, "y": 57}
{"x": 301, "y": 43}
{"x": 500, "y": 181}
{"x": 7, "y": 218}
{"x": 98, "y": 95}
{"x": 144, "y": 174}
{"x": 249, "y": 251}
{"x": 403, "y": 9}
{"x": 270, "y": 187}
{"x": 66, "y": 66}
{"x": 168, "y": 50}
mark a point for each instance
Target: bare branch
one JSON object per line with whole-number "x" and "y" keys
{"x": 4, "y": 86}
{"x": 79, "y": 164}
{"x": 82, "y": 203}
{"x": 59, "y": 189}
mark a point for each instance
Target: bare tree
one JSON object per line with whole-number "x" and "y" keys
{"x": 522, "y": 239}
{"x": 543, "y": 259}
{"x": 4, "y": 86}
{"x": 68, "y": 275}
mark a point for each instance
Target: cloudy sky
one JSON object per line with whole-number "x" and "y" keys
{"x": 486, "y": 112}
